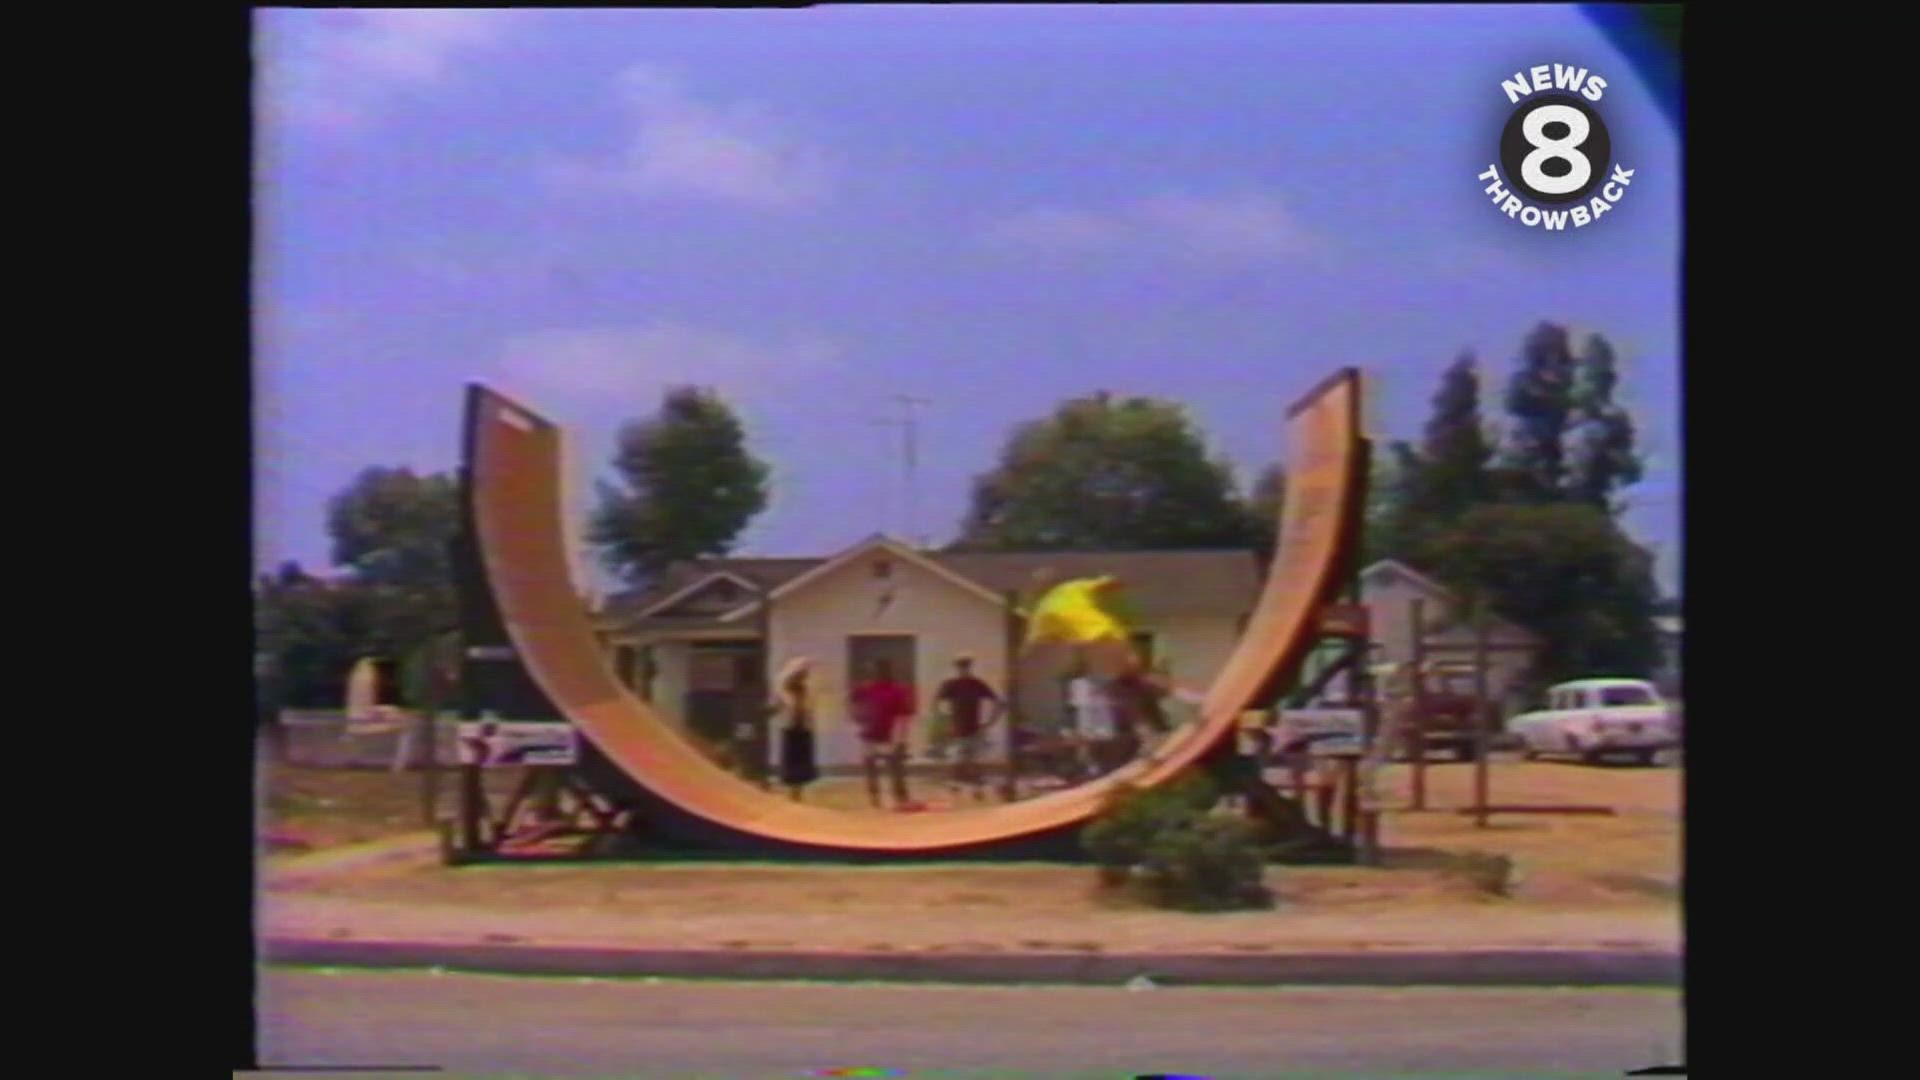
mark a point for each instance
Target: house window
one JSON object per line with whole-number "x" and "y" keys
{"x": 882, "y": 569}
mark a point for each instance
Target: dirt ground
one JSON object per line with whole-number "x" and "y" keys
{"x": 1532, "y": 879}
{"x": 308, "y": 809}
{"x": 1631, "y": 855}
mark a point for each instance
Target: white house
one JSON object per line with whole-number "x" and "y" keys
{"x": 699, "y": 644}
{"x": 1388, "y": 589}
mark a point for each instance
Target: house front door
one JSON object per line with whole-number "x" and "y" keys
{"x": 898, "y": 650}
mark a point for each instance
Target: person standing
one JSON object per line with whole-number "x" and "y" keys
{"x": 882, "y": 709}
{"x": 793, "y": 704}
{"x": 1093, "y": 723}
{"x": 1139, "y": 702}
{"x": 963, "y": 698}
{"x": 1139, "y": 694}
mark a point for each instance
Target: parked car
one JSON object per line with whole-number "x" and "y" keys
{"x": 1590, "y": 719}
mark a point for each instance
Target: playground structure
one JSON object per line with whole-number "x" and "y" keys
{"x": 531, "y": 656}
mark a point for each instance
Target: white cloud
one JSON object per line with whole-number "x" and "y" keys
{"x": 680, "y": 146}
{"x": 593, "y": 362}
{"x": 1056, "y": 230}
{"x": 336, "y": 70}
{"x": 1248, "y": 226}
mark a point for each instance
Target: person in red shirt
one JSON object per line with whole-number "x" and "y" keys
{"x": 881, "y": 710}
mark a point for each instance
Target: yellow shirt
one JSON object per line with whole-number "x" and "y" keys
{"x": 1071, "y": 612}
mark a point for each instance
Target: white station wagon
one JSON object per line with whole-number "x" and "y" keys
{"x": 1594, "y": 718}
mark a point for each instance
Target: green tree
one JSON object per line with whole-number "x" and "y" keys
{"x": 1264, "y": 504}
{"x": 1424, "y": 491}
{"x": 1540, "y": 402}
{"x": 392, "y": 532}
{"x": 310, "y": 631}
{"x": 1565, "y": 571}
{"x": 1386, "y": 523}
{"x": 1532, "y": 533}
{"x": 1102, "y": 473}
{"x": 1455, "y": 454}
{"x": 1602, "y": 457}
{"x": 687, "y": 487}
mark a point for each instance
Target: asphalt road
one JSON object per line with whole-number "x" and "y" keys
{"x": 571, "y": 1027}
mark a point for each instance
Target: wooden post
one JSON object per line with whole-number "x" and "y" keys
{"x": 1366, "y": 695}
{"x": 1416, "y": 730}
{"x": 1350, "y": 800}
{"x": 763, "y": 739}
{"x": 472, "y": 794}
{"x": 472, "y": 800}
{"x": 1010, "y": 786}
{"x": 430, "y": 762}
{"x": 1483, "y": 741}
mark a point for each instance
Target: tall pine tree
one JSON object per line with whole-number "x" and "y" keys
{"x": 1557, "y": 562}
{"x": 1449, "y": 474}
{"x": 1602, "y": 455}
{"x": 1540, "y": 402}
{"x": 1455, "y": 454}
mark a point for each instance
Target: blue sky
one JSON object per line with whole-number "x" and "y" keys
{"x": 993, "y": 208}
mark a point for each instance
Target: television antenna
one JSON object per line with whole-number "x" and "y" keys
{"x": 909, "y": 424}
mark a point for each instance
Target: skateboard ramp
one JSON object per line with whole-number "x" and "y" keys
{"x": 532, "y": 653}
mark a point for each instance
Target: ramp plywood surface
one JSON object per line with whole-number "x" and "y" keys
{"x": 514, "y": 487}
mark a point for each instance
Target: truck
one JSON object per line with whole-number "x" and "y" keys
{"x": 1448, "y": 712}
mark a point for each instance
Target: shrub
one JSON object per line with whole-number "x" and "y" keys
{"x": 1119, "y": 836}
{"x": 1206, "y": 864}
{"x": 1187, "y": 858}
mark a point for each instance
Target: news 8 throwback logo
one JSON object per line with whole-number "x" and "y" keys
{"x": 1556, "y": 167}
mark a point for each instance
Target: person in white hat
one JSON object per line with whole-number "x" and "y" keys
{"x": 793, "y": 704}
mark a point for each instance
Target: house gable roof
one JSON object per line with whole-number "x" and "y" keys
{"x": 868, "y": 546}
{"x": 714, "y": 582}
{"x": 1390, "y": 568}
{"x": 1160, "y": 584}
{"x": 761, "y": 573}
{"x": 1387, "y": 569}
